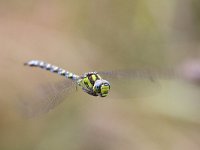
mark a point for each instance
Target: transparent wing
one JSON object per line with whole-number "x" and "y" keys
{"x": 148, "y": 74}
{"x": 46, "y": 98}
{"x": 188, "y": 71}
{"x": 136, "y": 83}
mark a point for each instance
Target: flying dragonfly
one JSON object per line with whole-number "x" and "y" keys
{"x": 91, "y": 83}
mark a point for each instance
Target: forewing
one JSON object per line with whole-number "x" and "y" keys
{"x": 45, "y": 98}
{"x": 145, "y": 74}
{"x": 134, "y": 83}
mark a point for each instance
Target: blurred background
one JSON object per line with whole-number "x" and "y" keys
{"x": 83, "y": 36}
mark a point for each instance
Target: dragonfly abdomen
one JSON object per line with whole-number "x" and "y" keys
{"x": 52, "y": 68}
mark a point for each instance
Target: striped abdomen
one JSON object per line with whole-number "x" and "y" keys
{"x": 52, "y": 68}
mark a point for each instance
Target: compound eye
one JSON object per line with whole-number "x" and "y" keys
{"x": 98, "y": 87}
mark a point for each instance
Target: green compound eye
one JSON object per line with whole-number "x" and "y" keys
{"x": 102, "y": 87}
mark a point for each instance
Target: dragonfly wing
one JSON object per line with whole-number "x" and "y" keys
{"x": 148, "y": 74}
{"x": 45, "y": 98}
{"x": 135, "y": 83}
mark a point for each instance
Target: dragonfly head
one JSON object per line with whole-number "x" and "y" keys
{"x": 101, "y": 87}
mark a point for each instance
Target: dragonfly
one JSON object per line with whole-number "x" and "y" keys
{"x": 91, "y": 83}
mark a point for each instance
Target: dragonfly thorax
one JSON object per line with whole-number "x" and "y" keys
{"x": 93, "y": 84}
